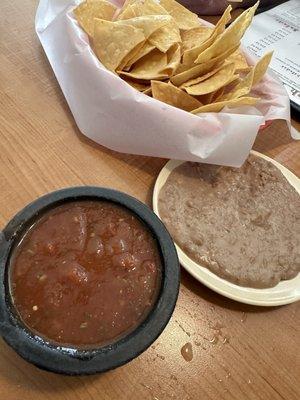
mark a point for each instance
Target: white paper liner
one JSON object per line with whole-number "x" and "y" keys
{"x": 113, "y": 114}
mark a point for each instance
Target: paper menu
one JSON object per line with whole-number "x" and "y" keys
{"x": 279, "y": 29}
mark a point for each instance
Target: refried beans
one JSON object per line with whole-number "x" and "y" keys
{"x": 243, "y": 224}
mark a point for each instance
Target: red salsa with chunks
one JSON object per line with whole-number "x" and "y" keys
{"x": 86, "y": 273}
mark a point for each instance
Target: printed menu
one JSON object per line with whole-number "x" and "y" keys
{"x": 278, "y": 29}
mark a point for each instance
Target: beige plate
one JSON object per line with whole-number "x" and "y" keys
{"x": 284, "y": 293}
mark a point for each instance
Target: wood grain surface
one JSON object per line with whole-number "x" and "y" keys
{"x": 239, "y": 352}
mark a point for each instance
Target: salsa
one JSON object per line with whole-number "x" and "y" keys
{"x": 86, "y": 273}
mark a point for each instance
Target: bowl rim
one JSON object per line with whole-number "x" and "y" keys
{"x": 69, "y": 360}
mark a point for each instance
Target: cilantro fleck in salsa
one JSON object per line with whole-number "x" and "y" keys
{"x": 86, "y": 273}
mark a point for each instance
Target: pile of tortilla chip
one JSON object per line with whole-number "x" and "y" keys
{"x": 162, "y": 49}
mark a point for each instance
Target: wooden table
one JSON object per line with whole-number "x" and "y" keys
{"x": 240, "y": 352}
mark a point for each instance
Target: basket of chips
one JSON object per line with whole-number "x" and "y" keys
{"x": 151, "y": 78}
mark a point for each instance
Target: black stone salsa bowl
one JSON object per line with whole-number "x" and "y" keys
{"x": 70, "y": 360}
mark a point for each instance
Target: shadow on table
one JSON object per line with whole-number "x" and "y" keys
{"x": 212, "y": 297}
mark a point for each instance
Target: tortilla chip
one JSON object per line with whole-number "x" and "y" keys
{"x": 201, "y": 77}
{"x": 147, "y": 23}
{"x": 232, "y": 82}
{"x": 230, "y": 85}
{"x": 141, "y": 87}
{"x": 90, "y": 9}
{"x": 170, "y": 94}
{"x": 126, "y": 4}
{"x": 166, "y": 36}
{"x": 215, "y": 82}
{"x": 136, "y": 50}
{"x": 239, "y": 60}
{"x": 217, "y": 94}
{"x": 148, "y": 91}
{"x": 194, "y": 72}
{"x": 184, "y": 18}
{"x": 216, "y": 107}
{"x": 127, "y": 13}
{"x": 137, "y": 8}
{"x": 261, "y": 67}
{"x": 206, "y": 98}
{"x": 244, "y": 70}
{"x": 145, "y": 44}
{"x": 199, "y": 70}
{"x": 242, "y": 88}
{"x": 211, "y": 63}
{"x": 194, "y": 37}
{"x": 223, "y": 21}
{"x": 245, "y": 85}
{"x": 145, "y": 49}
{"x": 191, "y": 55}
{"x": 155, "y": 65}
{"x": 151, "y": 66}
{"x": 113, "y": 42}
{"x": 230, "y": 37}
{"x": 173, "y": 58}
